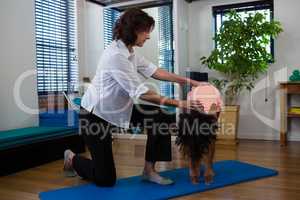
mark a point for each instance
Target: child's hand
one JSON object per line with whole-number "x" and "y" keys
{"x": 191, "y": 105}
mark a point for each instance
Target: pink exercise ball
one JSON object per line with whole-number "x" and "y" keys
{"x": 207, "y": 95}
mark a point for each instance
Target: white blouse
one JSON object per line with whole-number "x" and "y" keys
{"x": 117, "y": 81}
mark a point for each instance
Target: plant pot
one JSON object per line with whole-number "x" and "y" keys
{"x": 228, "y": 122}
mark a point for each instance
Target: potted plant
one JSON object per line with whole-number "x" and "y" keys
{"x": 241, "y": 54}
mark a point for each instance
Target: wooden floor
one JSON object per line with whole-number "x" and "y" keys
{"x": 129, "y": 155}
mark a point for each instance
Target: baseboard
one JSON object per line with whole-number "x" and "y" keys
{"x": 129, "y": 136}
{"x": 267, "y": 136}
{"x": 247, "y": 136}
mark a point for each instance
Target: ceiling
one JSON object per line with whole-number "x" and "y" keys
{"x": 125, "y": 4}
{"x": 112, "y": 2}
{"x": 109, "y": 2}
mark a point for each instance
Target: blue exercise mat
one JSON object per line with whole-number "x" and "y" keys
{"x": 227, "y": 173}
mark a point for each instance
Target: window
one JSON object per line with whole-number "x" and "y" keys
{"x": 165, "y": 46}
{"x": 110, "y": 16}
{"x": 164, "y": 21}
{"x": 57, "y": 66}
{"x": 264, "y": 7}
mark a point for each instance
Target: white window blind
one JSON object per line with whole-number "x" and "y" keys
{"x": 110, "y": 16}
{"x": 56, "y": 46}
{"x": 165, "y": 47}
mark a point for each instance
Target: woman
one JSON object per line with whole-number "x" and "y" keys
{"x": 108, "y": 103}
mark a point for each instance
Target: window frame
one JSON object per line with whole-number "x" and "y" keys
{"x": 242, "y": 7}
{"x": 62, "y": 49}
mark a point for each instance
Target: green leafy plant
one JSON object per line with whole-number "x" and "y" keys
{"x": 241, "y": 54}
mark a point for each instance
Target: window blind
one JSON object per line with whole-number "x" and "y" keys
{"x": 110, "y": 16}
{"x": 165, "y": 46}
{"x": 57, "y": 66}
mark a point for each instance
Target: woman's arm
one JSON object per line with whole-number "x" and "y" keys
{"x": 164, "y": 75}
{"x": 153, "y": 97}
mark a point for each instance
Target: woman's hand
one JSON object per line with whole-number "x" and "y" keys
{"x": 153, "y": 97}
{"x": 199, "y": 83}
{"x": 191, "y": 105}
{"x": 164, "y": 75}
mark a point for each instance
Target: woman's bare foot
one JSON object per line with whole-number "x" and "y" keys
{"x": 150, "y": 175}
{"x": 154, "y": 177}
{"x": 68, "y": 164}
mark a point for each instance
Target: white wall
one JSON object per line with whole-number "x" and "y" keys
{"x": 17, "y": 55}
{"x": 150, "y": 49}
{"x": 90, "y": 37}
{"x": 259, "y": 120}
{"x": 181, "y": 16}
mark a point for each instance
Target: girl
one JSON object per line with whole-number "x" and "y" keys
{"x": 197, "y": 132}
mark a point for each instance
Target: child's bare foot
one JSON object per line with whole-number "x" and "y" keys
{"x": 209, "y": 176}
{"x": 194, "y": 171}
{"x": 195, "y": 175}
{"x": 195, "y": 179}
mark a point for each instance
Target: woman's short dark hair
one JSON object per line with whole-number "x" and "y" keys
{"x": 130, "y": 23}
